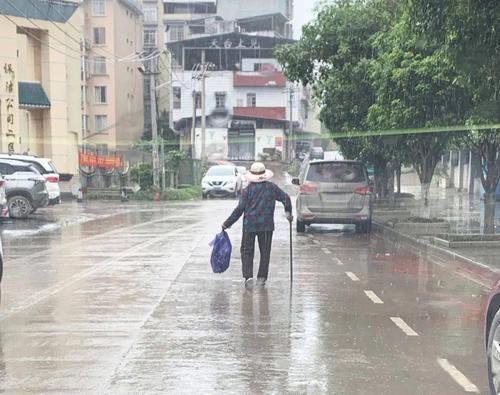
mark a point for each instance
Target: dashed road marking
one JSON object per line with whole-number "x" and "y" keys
{"x": 401, "y": 324}
{"x": 352, "y": 276}
{"x": 458, "y": 376}
{"x": 373, "y": 297}
{"x": 326, "y": 251}
{"x": 316, "y": 241}
{"x": 339, "y": 262}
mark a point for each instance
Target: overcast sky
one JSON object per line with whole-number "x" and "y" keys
{"x": 303, "y": 10}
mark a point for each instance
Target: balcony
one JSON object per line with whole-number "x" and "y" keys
{"x": 275, "y": 113}
{"x": 273, "y": 79}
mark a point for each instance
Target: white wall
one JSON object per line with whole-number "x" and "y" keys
{"x": 223, "y": 82}
{"x": 248, "y": 64}
{"x": 266, "y": 138}
{"x": 216, "y": 143}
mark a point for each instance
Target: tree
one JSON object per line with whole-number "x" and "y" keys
{"x": 469, "y": 33}
{"x": 334, "y": 56}
{"x": 415, "y": 89}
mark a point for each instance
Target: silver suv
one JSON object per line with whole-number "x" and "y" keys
{"x": 25, "y": 188}
{"x": 334, "y": 192}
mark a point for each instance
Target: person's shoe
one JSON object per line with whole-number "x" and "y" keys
{"x": 261, "y": 282}
{"x": 249, "y": 283}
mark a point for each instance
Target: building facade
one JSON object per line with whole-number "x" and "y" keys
{"x": 250, "y": 105}
{"x": 112, "y": 91}
{"x": 40, "y": 81}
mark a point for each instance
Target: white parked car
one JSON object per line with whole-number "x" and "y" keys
{"x": 46, "y": 168}
{"x": 222, "y": 181}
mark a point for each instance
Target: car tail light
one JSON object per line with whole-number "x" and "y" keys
{"x": 363, "y": 191}
{"x": 52, "y": 179}
{"x": 308, "y": 189}
{"x": 2, "y": 182}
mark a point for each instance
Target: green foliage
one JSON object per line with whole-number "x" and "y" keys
{"x": 169, "y": 194}
{"x": 142, "y": 174}
{"x": 175, "y": 158}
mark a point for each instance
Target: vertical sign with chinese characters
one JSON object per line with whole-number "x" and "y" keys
{"x": 9, "y": 81}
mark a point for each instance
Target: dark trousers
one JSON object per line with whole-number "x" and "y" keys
{"x": 248, "y": 250}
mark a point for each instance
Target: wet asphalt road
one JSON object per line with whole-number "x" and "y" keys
{"x": 127, "y": 304}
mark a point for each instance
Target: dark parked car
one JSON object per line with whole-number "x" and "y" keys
{"x": 26, "y": 188}
{"x": 492, "y": 335}
{"x": 334, "y": 192}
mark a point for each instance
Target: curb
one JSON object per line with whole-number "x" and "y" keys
{"x": 478, "y": 272}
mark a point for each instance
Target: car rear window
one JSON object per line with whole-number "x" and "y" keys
{"x": 336, "y": 172}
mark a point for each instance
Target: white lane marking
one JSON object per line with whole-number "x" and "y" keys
{"x": 373, "y": 297}
{"x": 339, "y": 262}
{"x": 457, "y": 375}
{"x": 316, "y": 241}
{"x": 352, "y": 276}
{"x": 401, "y": 324}
{"x": 326, "y": 251}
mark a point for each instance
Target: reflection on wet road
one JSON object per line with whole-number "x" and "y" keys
{"x": 127, "y": 304}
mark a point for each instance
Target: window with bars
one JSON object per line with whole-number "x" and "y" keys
{"x": 150, "y": 13}
{"x": 100, "y": 65}
{"x": 99, "y": 35}
{"x": 251, "y": 100}
{"x": 98, "y": 7}
{"x": 177, "y": 98}
{"x": 100, "y": 95}
{"x": 150, "y": 38}
{"x": 198, "y": 100}
{"x": 220, "y": 100}
{"x": 101, "y": 123}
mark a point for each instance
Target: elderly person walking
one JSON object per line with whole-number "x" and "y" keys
{"x": 257, "y": 204}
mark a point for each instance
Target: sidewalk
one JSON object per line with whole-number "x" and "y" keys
{"x": 465, "y": 216}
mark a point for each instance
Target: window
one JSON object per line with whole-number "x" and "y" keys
{"x": 251, "y": 100}
{"x": 98, "y": 7}
{"x": 101, "y": 123}
{"x": 198, "y": 100}
{"x": 220, "y": 99}
{"x": 99, "y": 35}
{"x": 6, "y": 169}
{"x": 150, "y": 38}
{"x": 177, "y": 98}
{"x": 176, "y": 32}
{"x": 100, "y": 65}
{"x": 100, "y": 95}
{"x": 150, "y": 13}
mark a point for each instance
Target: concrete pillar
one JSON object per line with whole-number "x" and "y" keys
{"x": 461, "y": 170}
{"x": 451, "y": 167}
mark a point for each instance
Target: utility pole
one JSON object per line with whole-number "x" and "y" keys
{"x": 193, "y": 129}
{"x": 203, "y": 105}
{"x": 290, "y": 134}
{"x": 154, "y": 126}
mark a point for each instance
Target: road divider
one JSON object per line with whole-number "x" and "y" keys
{"x": 457, "y": 376}
{"x": 401, "y": 324}
{"x": 373, "y": 297}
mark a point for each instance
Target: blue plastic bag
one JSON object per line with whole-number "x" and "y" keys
{"x": 221, "y": 252}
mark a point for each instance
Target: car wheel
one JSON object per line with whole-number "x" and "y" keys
{"x": 301, "y": 227}
{"x": 204, "y": 196}
{"x": 494, "y": 355}
{"x": 19, "y": 207}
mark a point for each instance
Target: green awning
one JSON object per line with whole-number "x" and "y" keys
{"x": 48, "y": 10}
{"x": 32, "y": 95}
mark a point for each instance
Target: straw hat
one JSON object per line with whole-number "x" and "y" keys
{"x": 258, "y": 173}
